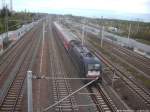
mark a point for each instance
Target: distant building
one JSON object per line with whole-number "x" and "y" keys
{"x": 112, "y": 29}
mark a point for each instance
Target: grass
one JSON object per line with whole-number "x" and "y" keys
{"x": 144, "y": 80}
{"x": 139, "y": 40}
{"x": 143, "y": 41}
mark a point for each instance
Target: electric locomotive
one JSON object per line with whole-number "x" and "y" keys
{"x": 88, "y": 64}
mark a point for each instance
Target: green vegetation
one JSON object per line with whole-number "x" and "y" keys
{"x": 143, "y": 79}
{"x": 16, "y": 19}
{"x": 143, "y": 41}
{"x": 139, "y": 30}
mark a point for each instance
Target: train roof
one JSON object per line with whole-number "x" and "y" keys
{"x": 69, "y": 36}
{"x": 86, "y": 54}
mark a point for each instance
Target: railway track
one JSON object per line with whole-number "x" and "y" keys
{"x": 133, "y": 61}
{"x": 17, "y": 45}
{"x": 137, "y": 63}
{"x": 133, "y": 86}
{"x": 41, "y": 67}
{"x": 138, "y": 57}
{"x": 61, "y": 87}
{"x": 102, "y": 101}
{"x": 12, "y": 56}
{"x": 13, "y": 94}
{"x": 72, "y": 72}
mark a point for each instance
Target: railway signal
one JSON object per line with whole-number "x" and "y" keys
{"x": 114, "y": 78}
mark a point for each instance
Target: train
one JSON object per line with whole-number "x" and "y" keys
{"x": 89, "y": 66}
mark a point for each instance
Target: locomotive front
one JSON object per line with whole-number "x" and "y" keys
{"x": 94, "y": 69}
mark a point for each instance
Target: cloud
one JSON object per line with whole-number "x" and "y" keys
{"x": 118, "y": 6}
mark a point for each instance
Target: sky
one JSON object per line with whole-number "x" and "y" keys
{"x": 91, "y": 8}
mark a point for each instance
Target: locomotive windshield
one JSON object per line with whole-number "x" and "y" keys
{"x": 92, "y": 67}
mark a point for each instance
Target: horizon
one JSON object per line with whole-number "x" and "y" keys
{"x": 114, "y": 9}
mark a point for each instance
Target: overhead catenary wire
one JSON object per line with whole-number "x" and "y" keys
{"x": 51, "y": 106}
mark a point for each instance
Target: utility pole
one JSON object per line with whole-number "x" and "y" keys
{"x": 137, "y": 25}
{"x": 3, "y": 3}
{"x": 114, "y": 78}
{"x": 86, "y": 21}
{"x": 6, "y": 23}
{"x": 129, "y": 33}
{"x": 3, "y": 6}
{"x": 102, "y": 31}
{"x": 11, "y": 5}
{"x": 58, "y": 18}
{"x": 83, "y": 31}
